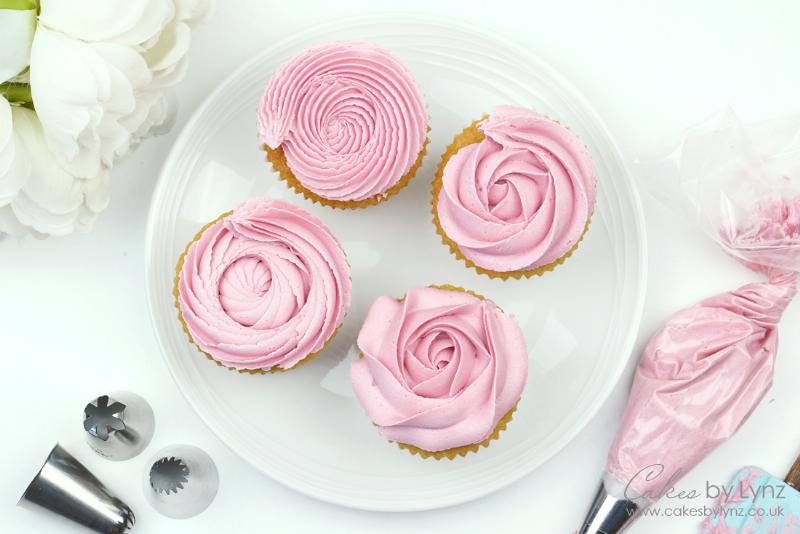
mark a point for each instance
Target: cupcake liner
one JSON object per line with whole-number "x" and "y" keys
{"x": 277, "y": 158}
{"x": 176, "y": 294}
{"x": 451, "y": 454}
{"x": 463, "y": 449}
{"x": 470, "y": 135}
{"x": 451, "y": 287}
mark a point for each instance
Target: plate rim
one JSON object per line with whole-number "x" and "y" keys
{"x": 641, "y": 255}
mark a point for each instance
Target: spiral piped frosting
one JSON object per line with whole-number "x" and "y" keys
{"x": 349, "y": 117}
{"x": 264, "y": 287}
{"x": 521, "y": 197}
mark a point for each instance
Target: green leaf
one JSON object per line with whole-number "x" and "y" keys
{"x": 19, "y": 4}
{"x": 16, "y": 93}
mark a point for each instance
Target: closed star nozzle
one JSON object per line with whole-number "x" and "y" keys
{"x": 180, "y": 481}
{"x": 169, "y": 475}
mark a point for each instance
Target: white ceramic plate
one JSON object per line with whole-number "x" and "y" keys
{"x": 305, "y": 428}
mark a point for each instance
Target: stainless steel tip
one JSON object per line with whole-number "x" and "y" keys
{"x": 609, "y": 514}
{"x": 180, "y": 481}
{"x": 169, "y": 474}
{"x": 64, "y": 486}
{"x": 118, "y": 426}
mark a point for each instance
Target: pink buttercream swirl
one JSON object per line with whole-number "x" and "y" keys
{"x": 349, "y": 116}
{"x": 520, "y": 198}
{"x": 264, "y": 287}
{"x": 440, "y": 368}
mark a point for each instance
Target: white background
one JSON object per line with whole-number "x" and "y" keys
{"x": 74, "y": 321}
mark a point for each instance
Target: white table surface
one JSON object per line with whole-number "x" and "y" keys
{"x": 74, "y": 321}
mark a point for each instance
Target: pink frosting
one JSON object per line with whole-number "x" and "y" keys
{"x": 698, "y": 381}
{"x": 706, "y": 370}
{"x": 264, "y": 287}
{"x": 349, "y": 116}
{"x": 768, "y": 239}
{"x": 440, "y": 369}
{"x": 520, "y": 198}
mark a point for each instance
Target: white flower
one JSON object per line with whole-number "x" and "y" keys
{"x": 159, "y": 30}
{"x": 99, "y": 72}
{"x": 38, "y": 192}
{"x": 85, "y": 96}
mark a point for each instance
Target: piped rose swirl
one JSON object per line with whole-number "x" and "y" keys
{"x": 264, "y": 287}
{"x": 348, "y": 117}
{"x": 520, "y": 198}
{"x": 440, "y": 369}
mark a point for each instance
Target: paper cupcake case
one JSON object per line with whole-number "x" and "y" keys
{"x": 452, "y": 454}
{"x": 468, "y": 136}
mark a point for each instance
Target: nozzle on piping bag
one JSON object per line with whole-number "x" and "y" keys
{"x": 611, "y": 512}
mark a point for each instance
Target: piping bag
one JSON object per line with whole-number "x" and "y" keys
{"x": 705, "y": 371}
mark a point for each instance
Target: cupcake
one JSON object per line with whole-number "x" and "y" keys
{"x": 263, "y": 288}
{"x": 441, "y": 371}
{"x": 344, "y": 124}
{"x": 514, "y": 194}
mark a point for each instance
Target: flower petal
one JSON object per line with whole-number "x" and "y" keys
{"x": 171, "y": 75}
{"x": 9, "y": 224}
{"x": 15, "y": 165}
{"x": 194, "y": 12}
{"x": 69, "y": 82}
{"x": 50, "y": 186}
{"x": 97, "y": 192}
{"x": 161, "y": 117}
{"x": 171, "y": 46}
{"x": 6, "y": 126}
{"x": 17, "y": 28}
{"x": 129, "y": 22}
{"x": 124, "y": 112}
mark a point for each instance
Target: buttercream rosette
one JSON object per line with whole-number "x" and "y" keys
{"x": 263, "y": 288}
{"x": 442, "y": 370}
{"x": 344, "y": 124}
{"x": 514, "y": 193}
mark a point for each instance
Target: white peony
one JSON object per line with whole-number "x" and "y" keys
{"x": 84, "y": 81}
{"x": 38, "y": 193}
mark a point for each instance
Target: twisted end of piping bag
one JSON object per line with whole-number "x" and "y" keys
{"x": 707, "y": 369}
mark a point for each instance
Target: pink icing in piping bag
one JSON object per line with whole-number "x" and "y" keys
{"x": 699, "y": 379}
{"x": 705, "y": 371}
